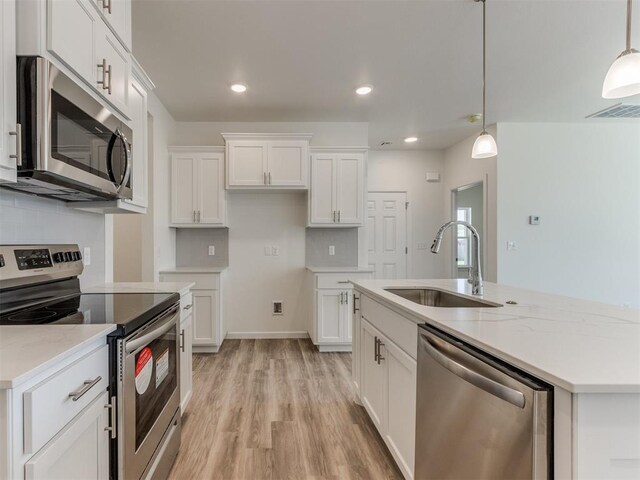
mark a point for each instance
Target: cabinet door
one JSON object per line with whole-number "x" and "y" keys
{"x": 118, "y": 15}
{"x": 186, "y": 362}
{"x": 71, "y": 34}
{"x": 330, "y": 315}
{"x": 80, "y": 451}
{"x": 183, "y": 189}
{"x": 350, "y": 188}
{"x": 373, "y": 390}
{"x": 138, "y": 112}
{"x": 8, "y": 142}
{"x": 246, "y": 163}
{"x": 401, "y": 401}
{"x": 323, "y": 193}
{"x": 205, "y": 314}
{"x": 356, "y": 345}
{"x": 109, "y": 50}
{"x": 287, "y": 163}
{"x": 347, "y": 317}
{"x": 211, "y": 193}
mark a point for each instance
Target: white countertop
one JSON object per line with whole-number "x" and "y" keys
{"x": 339, "y": 269}
{"x": 141, "y": 287}
{"x": 26, "y": 350}
{"x": 578, "y": 345}
{"x": 194, "y": 270}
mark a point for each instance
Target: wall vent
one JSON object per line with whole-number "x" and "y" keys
{"x": 619, "y": 110}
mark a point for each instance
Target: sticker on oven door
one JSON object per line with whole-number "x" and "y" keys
{"x": 162, "y": 367}
{"x": 144, "y": 367}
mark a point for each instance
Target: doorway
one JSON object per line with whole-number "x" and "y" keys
{"x": 468, "y": 206}
{"x": 387, "y": 234}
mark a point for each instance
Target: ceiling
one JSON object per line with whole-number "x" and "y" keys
{"x": 302, "y": 60}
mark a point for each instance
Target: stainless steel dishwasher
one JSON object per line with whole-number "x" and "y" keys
{"x": 478, "y": 418}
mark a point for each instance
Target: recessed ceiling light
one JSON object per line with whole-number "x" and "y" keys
{"x": 411, "y": 139}
{"x": 364, "y": 90}
{"x": 239, "y": 88}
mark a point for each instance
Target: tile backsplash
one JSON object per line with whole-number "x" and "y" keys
{"x": 345, "y": 241}
{"x": 30, "y": 219}
{"x": 192, "y": 247}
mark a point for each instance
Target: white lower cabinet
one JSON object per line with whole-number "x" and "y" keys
{"x": 186, "y": 361}
{"x": 374, "y": 378}
{"x": 80, "y": 451}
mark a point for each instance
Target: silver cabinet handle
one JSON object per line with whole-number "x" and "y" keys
{"x": 112, "y": 410}
{"x": 106, "y": 72}
{"x": 106, "y": 4}
{"x": 346, "y": 298}
{"x": 375, "y": 349}
{"x": 188, "y": 307}
{"x": 88, "y": 384}
{"x": 380, "y": 357}
{"x": 344, "y": 281}
{"x": 264, "y": 177}
{"x": 340, "y": 299}
{"x": 354, "y": 304}
{"x": 194, "y": 216}
{"x": 339, "y": 212}
{"x": 182, "y": 340}
{"x": 18, "y": 134}
{"x": 334, "y": 216}
{"x": 109, "y": 76}
{"x": 269, "y": 178}
{"x": 434, "y": 348}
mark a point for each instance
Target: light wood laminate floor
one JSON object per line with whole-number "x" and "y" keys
{"x": 277, "y": 409}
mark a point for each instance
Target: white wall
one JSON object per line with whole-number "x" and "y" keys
{"x": 460, "y": 170}
{"x": 406, "y": 170}
{"x": 30, "y": 219}
{"x": 583, "y": 180}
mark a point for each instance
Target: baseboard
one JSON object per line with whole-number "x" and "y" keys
{"x": 264, "y": 335}
{"x": 205, "y": 349}
{"x": 334, "y": 348}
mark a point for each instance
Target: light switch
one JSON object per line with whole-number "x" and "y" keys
{"x": 267, "y": 250}
{"x": 275, "y": 250}
{"x": 212, "y": 250}
{"x": 332, "y": 249}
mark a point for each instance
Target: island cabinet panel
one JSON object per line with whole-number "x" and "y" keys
{"x": 374, "y": 378}
{"x": 8, "y": 128}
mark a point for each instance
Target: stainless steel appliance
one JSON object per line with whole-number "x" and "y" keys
{"x": 39, "y": 285}
{"x": 71, "y": 147}
{"x": 477, "y": 417}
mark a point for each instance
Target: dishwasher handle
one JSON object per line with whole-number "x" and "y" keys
{"x": 433, "y": 347}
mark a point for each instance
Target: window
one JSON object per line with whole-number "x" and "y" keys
{"x": 463, "y": 238}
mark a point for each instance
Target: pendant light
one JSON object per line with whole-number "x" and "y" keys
{"x": 623, "y": 77}
{"x": 484, "y": 146}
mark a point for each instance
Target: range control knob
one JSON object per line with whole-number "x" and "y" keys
{"x": 58, "y": 257}
{"x": 76, "y": 256}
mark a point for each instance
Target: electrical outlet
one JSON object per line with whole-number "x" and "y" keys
{"x": 267, "y": 250}
{"x": 534, "y": 220}
{"x": 422, "y": 246}
{"x": 86, "y": 256}
{"x": 512, "y": 245}
{"x": 275, "y": 250}
{"x": 277, "y": 308}
{"x": 212, "y": 250}
{"x": 332, "y": 249}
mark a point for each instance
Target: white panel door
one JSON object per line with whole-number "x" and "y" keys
{"x": 323, "y": 184}
{"x": 205, "y": 306}
{"x": 387, "y": 234}
{"x": 329, "y": 315}
{"x": 211, "y": 193}
{"x": 373, "y": 390}
{"x": 80, "y": 451}
{"x": 183, "y": 189}
{"x": 138, "y": 113}
{"x": 287, "y": 163}
{"x": 401, "y": 401}
{"x": 71, "y": 34}
{"x": 109, "y": 49}
{"x": 8, "y": 142}
{"x": 247, "y": 162}
{"x": 350, "y": 188}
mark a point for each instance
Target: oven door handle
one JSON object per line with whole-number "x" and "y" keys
{"x": 157, "y": 332}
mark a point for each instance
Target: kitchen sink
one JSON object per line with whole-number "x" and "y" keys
{"x": 432, "y": 297}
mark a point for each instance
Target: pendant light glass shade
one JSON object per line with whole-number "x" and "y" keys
{"x": 623, "y": 78}
{"x": 484, "y": 146}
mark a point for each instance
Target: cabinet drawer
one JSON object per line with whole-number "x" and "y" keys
{"x": 339, "y": 280}
{"x": 49, "y": 406}
{"x": 186, "y": 305}
{"x": 402, "y": 331}
{"x": 203, "y": 281}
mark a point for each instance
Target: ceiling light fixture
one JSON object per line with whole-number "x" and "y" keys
{"x": 623, "y": 77}
{"x": 411, "y": 139}
{"x": 364, "y": 90}
{"x": 239, "y": 88}
{"x": 485, "y": 145}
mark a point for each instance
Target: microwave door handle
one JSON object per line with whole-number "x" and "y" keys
{"x": 499, "y": 390}
{"x": 127, "y": 156}
{"x": 164, "y": 327}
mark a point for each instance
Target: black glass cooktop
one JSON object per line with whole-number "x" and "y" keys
{"x": 128, "y": 311}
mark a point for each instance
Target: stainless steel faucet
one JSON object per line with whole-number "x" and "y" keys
{"x": 475, "y": 273}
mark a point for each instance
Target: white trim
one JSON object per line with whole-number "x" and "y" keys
{"x": 252, "y": 136}
{"x": 265, "y": 335}
{"x": 334, "y": 348}
{"x": 196, "y": 148}
{"x": 341, "y": 149}
{"x": 139, "y": 74}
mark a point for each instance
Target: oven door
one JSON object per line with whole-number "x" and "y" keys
{"x": 148, "y": 391}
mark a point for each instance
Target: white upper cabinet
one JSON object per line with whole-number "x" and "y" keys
{"x": 117, "y": 14}
{"x": 9, "y": 139}
{"x": 113, "y": 69}
{"x": 267, "y": 161}
{"x": 337, "y": 187}
{"x": 198, "y": 197}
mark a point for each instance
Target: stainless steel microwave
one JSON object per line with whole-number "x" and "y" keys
{"x": 73, "y": 147}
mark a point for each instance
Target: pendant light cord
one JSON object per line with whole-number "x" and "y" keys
{"x": 484, "y": 64}
{"x": 628, "y": 25}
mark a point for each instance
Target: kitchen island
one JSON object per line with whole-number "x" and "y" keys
{"x": 588, "y": 351}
